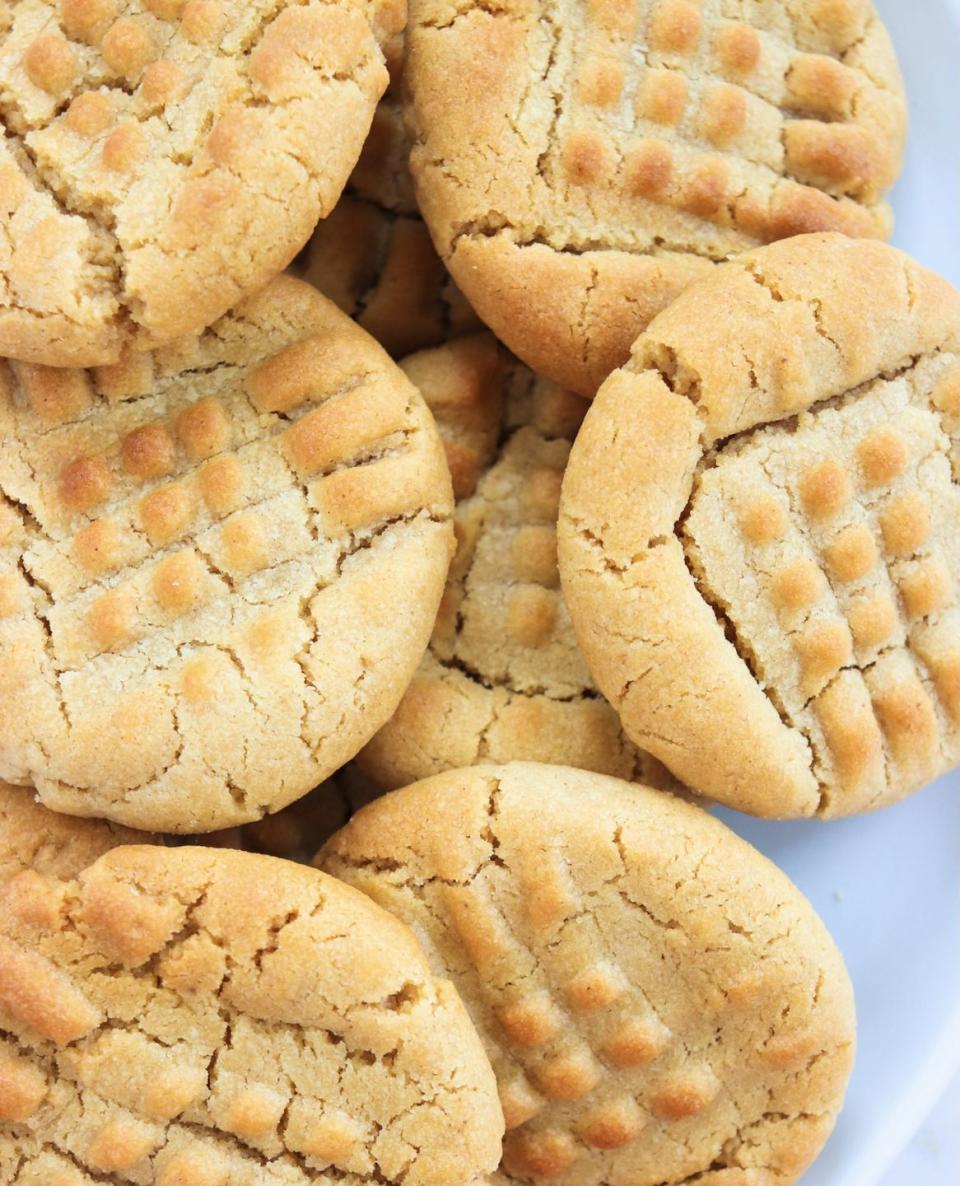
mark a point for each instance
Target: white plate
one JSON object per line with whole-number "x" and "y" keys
{"x": 888, "y": 885}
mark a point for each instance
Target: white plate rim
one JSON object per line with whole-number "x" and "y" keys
{"x": 921, "y": 1093}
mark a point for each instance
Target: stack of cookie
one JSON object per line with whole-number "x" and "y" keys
{"x": 276, "y": 544}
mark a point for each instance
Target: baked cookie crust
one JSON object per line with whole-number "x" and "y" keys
{"x": 164, "y": 159}
{"x": 659, "y": 1003}
{"x": 199, "y": 1016}
{"x": 579, "y": 164}
{"x": 221, "y": 563}
{"x": 758, "y": 531}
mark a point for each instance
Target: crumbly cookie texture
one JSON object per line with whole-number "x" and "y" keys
{"x": 503, "y": 677}
{"x": 373, "y": 255}
{"x": 165, "y": 158}
{"x": 296, "y": 832}
{"x": 580, "y": 164}
{"x": 191, "y": 1017}
{"x": 220, "y": 565}
{"x": 758, "y": 531}
{"x": 659, "y": 1003}
{"x": 35, "y": 839}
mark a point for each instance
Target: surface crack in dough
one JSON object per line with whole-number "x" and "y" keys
{"x": 814, "y": 304}
{"x": 494, "y": 224}
{"x": 547, "y": 19}
{"x": 532, "y": 692}
{"x": 742, "y": 646}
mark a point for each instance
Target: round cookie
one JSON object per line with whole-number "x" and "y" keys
{"x": 34, "y": 839}
{"x": 207, "y": 1017}
{"x": 579, "y": 166}
{"x": 219, "y": 568}
{"x": 373, "y": 255}
{"x": 758, "y": 531}
{"x": 660, "y": 1004}
{"x": 164, "y": 159}
{"x": 503, "y": 677}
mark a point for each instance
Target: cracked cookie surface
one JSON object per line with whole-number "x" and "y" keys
{"x": 758, "y": 531}
{"x": 196, "y": 547}
{"x": 191, "y": 1017}
{"x": 36, "y": 840}
{"x": 659, "y": 1003}
{"x": 503, "y": 677}
{"x": 373, "y": 255}
{"x": 580, "y": 163}
{"x": 165, "y": 158}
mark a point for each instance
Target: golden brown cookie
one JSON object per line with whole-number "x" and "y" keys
{"x": 373, "y": 255}
{"x": 758, "y": 531}
{"x": 165, "y": 158}
{"x": 35, "y": 840}
{"x": 220, "y": 565}
{"x": 190, "y": 1016}
{"x": 503, "y": 677}
{"x": 578, "y": 165}
{"x": 660, "y": 1004}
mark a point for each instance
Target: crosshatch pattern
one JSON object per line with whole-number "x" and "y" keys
{"x": 725, "y": 124}
{"x": 772, "y": 604}
{"x": 183, "y": 535}
{"x": 188, "y": 1018}
{"x": 609, "y": 152}
{"x": 640, "y": 1027}
{"x": 167, "y": 154}
{"x": 846, "y": 600}
{"x": 754, "y": 129}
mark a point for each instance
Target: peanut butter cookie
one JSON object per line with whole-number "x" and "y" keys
{"x": 221, "y": 563}
{"x": 165, "y": 158}
{"x": 503, "y": 677}
{"x": 579, "y": 164}
{"x": 660, "y": 1004}
{"x": 193, "y": 1016}
{"x": 759, "y": 531}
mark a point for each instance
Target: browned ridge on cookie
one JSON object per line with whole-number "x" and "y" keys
{"x": 758, "y": 533}
{"x": 659, "y": 1003}
{"x": 195, "y": 548}
{"x": 194, "y": 1017}
{"x": 604, "y": 153}
{"x": 164, "y": 158}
